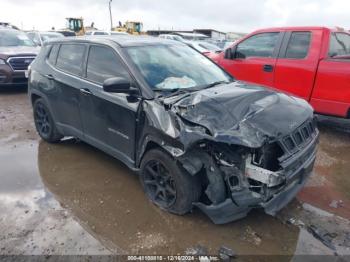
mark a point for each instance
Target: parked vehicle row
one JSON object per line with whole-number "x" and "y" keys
{"x": 196, "y": 137}
{"x": 98, "y": 32}
{"x": 17, "y": 51}
{"x": 310, "y": 62}
{"x": 39, "y": 37}
{"x": 205, "y": 48}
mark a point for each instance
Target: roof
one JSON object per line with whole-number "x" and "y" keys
{"x": 208, "y": 29}
{"x": 121, "y": 40}
{"x": 8, "y": 28}
{"x": 43, "y": 32}
{"x": 191, "y": 34}
{"x": 298, "y": 28}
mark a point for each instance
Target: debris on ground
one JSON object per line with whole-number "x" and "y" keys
{"x": 295, "y": 222}
{"x": 336, "y": 203}
{"x": 197, "y": 250}
{"x": 322, "y": 235}
{"x": 346, "y": 241}
{"x": 251, "y": 236}
{"x": 226, "y": 253}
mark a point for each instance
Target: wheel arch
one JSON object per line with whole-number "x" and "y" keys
{"x": 34, "y": 97}
{"x": 151, "y": 142}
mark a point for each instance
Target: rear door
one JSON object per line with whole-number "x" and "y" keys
{"x": 297, "y": 62}
{"x": 66, "y": 82}
{"x": 331, "y": 93}
{"x": 255, "y": 58}
{"x": 109, "y": 119}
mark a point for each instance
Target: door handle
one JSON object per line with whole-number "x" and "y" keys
{"x": 85, "y": 91}
{"x": 50, "y": 77}
{"x": 268, "y": 68}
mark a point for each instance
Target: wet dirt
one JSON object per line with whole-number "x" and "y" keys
{"x": 108, "y": 198}
{"x": 329, "y": 186}
{"x": 78, "y": 190}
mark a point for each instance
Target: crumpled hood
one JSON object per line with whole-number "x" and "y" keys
{"x": 244, "y": 114}
{"x": 19, "y": 50}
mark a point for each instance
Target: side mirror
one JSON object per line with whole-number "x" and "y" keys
{"x": 117, "y": 85}
{"x": 231, "y": 53}
{"x": 37, "y": 42}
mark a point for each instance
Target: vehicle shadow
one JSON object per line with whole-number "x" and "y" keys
{"x": 328, "y": 123}
{"x": 11, "y": 90}
{"x": 107, "y": 199}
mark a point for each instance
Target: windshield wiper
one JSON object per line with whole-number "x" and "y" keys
{"x": 179, "y": 91}
{"x": 174, "y": 92}
{"x": 216, "y": 84}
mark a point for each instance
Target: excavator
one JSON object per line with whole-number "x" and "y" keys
{"x": 131, "y": 27}
{"x": 76, "y": 25}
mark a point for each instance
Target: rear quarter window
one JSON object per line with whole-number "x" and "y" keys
{"x": 53, "y": 54}
{"x": 70, "y": 58}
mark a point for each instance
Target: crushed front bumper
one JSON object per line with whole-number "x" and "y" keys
{"x": 241, "y": 203}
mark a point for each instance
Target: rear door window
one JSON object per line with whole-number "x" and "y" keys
{"x": 70, "y": 58}
{"x": 103, "y": 63}
{"x": 298, "y": 46}
{"x": 339, "y": 45}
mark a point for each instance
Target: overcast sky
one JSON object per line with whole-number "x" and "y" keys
{"x": 224, "y": 15}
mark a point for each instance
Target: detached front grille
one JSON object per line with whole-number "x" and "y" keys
{"x": 20, "y": 63}
{"x": 300, "y": 137}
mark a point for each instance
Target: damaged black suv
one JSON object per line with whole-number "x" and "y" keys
{"x": 196, "y": 137}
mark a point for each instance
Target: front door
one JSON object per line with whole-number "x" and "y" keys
{"x": 109, "y": 119}
{"x": 255, "y": 59}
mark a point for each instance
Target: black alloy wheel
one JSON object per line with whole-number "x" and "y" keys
{"x": 42, "y": 121}
{"x": 159, "y": 185}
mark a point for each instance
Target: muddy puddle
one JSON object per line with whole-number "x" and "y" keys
{"x": 32, "y": 221}
{"x": 108, "y": 202}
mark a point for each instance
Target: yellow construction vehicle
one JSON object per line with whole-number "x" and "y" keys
{"x": 131, "y": 27}
{"x": 76, "y": 25}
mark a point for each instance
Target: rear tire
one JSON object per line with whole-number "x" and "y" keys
{"x": 44, "y": 123}
{"x": 168, "y": 185}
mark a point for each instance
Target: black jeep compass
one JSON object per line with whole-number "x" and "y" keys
{"x": 196, "y": 137}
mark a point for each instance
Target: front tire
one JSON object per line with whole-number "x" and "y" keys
{"x": 44, "y": 122}
{"x": 166, "y": 184}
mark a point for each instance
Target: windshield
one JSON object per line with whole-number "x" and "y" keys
{"x": 209, "y": 46}
{"x": 173, "y": 67}
{"x": 177, "y": 38}
{"x": 48, "y": 36}
{"x": 14, "y": 38}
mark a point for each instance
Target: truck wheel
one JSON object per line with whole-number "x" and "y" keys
{"x": 166, "y": 184}
{"x": 44, "y": 123}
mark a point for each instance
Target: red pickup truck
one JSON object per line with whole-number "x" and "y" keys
{"x": 310, "y": 62}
